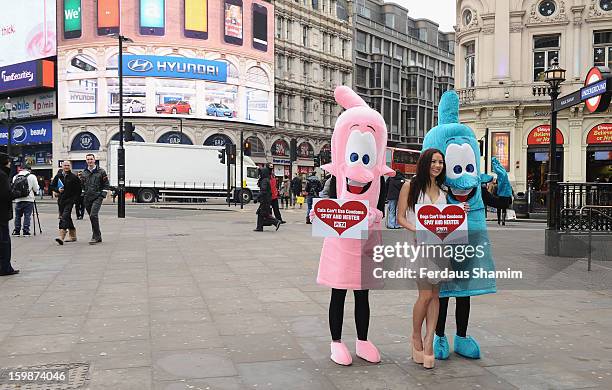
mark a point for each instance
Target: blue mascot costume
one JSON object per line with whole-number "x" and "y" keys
{"x": 465, "y": 185}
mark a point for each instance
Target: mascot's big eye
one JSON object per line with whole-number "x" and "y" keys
{"x": 460, "y": 160}
{"x": 360, "y": 149}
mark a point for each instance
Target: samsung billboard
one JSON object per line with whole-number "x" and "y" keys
{"x": 27, "y": 31}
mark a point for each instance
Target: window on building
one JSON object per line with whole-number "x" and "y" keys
{"x": 428, "y": 90}
{"x": 545, "y": 49}
{"x": 361, "y": 76}
{"x": 305, "y": 36}
{"x": 305, "y": 104}
{"x": 387, "y": 48}
{"x": 332, "y": 76}
{"x": 395, "y": 118}
{"x": 422, "y": 122}
{"x": 292, "y": 105}
{"x": 413, "y": 58}
{"x": 395, "y": 82}
{"x": 280, "y": 63}
{"x": 399, "y": 53}
{"x": 412, "y": 85}
{"x": 344, "y": 47}
{"x": 324, "y": 71}
{"x": 360, "y": 42}
{"x": 411, "y": 124}
{"x": 376, "y": 75}
{"x": 470, "y": 64}
{"x": 289, "y": 29}
{"x": 376, "y": 45}
{"x": 602, "y": 48}
{"x": 306, "y": 71}
{"x": 420, "y": 59}
{"x": 390, "y": 20}
{"x": 324, "y": 41}
{"x": 289, "y": 64}
{"x": 279, "y": 106}
{"x": 279, "y": 27}
{"x": 421, "y": 93}
{"x": 387, "y": 111}
{"x": 331, "y": 44}
{"x": 387, "y": 77}
{"x": 315, "y": 4}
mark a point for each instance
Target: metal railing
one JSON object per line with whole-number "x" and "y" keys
{"x": 573, "y": 197}
{"x": 601, "y": 215}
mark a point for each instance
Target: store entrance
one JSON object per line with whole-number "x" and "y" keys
{"x": 537, "y": 171}
{"x": 599, "y": 164}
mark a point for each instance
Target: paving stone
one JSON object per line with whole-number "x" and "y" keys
{"x": 195, "y": 363}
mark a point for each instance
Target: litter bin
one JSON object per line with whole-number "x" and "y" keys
{"x": 520, "y": 206}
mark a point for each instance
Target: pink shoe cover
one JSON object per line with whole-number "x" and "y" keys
{"x": 367, "y": 351}
{"x": 340, "y": 354}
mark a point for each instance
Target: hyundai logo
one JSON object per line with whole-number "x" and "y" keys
{"x": 140, "y": 65}
{"x": 19, "y": 134}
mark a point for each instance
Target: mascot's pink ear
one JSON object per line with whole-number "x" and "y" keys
{"x": 386, "y": 171}
{"x": 347, "y": 98}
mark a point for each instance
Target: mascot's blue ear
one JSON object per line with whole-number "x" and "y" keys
{"x": 448, "y": 110}
{"x": 484, "y": 178}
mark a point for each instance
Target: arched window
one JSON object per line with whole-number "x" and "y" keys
{"x": 257, "y": 146}
{"x": 113, "y": 62}
{"x": 175, "y": 137}
{"x": 137, "y": 138}
{"x": 232, "y": 70}
{"x": 256, "y": 74}
{"x": 218, "y": 140}
{"x": 82, "y": 63}
{"x": 280, "y": 147}
{"x": 305, "y": 150}
{"x": 85, "y": 141}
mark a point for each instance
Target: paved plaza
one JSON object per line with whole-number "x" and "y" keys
{"x": 194, "y": 299}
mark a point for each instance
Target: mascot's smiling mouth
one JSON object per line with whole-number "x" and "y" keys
{"x": 356, "y": 187}
{"x": 462, "y": 195}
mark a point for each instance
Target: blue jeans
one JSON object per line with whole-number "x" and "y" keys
{"x": 309, "y": 206}
{"x": 23, "y": 209}
{"x": 392, "y": 215}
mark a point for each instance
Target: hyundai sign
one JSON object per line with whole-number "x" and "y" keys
{"x": 27, "y": 133}
{"x": 174, "y": 67}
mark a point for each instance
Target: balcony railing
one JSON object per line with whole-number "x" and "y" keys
{"x": 466, "y": 95}
{"x": 574, "y": 197}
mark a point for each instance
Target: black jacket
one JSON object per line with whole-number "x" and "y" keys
{"x": 265, "y": 190}
{"x": 95, "y": 184}
{"x": 394, "y": 186}
{"x": 296, "y": 185}
{"x": 6, "y": 199}
{"x": 72, "y": 187}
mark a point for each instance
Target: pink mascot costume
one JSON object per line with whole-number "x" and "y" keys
{"x": 358, "y": 162}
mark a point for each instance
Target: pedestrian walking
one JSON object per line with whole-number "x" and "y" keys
{"x": 275, "y": 194}
{"x": 95, "y": 187}
{"x": 24, "y": 189}
{"x": 6, "y": 214}
{"x": 79, "y": 206}
{"x": 313, "y": 187}
{"x": 286, "y": 192}
{"x": 296, "y": 189}
{"x": 68, "y": 188}
{"x": 394, "y": 186}
{"x": 264, "y": 211}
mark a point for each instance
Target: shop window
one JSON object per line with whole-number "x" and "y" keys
{"x": 85, "y": 141}
{"x": 545, "y": 50}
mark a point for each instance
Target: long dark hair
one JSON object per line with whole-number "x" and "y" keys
{"x": 422, "y": 180}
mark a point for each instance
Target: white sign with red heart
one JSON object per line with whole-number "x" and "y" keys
{"x": 339, "y": 218}
{"x": 441, "y": 224}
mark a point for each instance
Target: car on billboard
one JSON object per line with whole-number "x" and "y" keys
{"x": 174, "y": 107}
{"x": 220, "y": 110}
{"x": 129, "y": 105}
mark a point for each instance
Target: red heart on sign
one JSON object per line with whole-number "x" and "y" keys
{"x": 441, "y": 222}
{"x": 340, "y": 218}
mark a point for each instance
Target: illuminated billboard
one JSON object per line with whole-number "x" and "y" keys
{"x": 27, "y": 31}
{"x": 203, "y": 59}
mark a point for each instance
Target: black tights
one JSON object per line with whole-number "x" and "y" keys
{"x": 336, "y": 313}
{"x": 462, "y": 315}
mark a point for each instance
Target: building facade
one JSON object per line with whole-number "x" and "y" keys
{"x": 402, "y": 66}
{"x": 503, "y": 48}
{"x": 313, "y": 47}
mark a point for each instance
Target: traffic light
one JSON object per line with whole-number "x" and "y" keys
{"x": 231, "y": 153}
{"x": 246, "y": 148}
{"x": 481, "y": 146}
{"x": 317, "y": 160}
{"x": 293, "y": 149}
{"x": 128, "y": 131}
{"x": 222, "y": 156}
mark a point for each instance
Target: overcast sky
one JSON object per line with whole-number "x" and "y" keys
{"x": 439, "y": 11}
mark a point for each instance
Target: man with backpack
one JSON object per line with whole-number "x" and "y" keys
{"x": 313, "y": 187}
{"x": 23, "y": 189}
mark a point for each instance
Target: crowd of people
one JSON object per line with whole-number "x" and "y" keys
{"x": 85, "y": 190}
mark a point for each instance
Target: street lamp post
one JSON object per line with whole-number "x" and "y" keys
{"x": 554, "y": 76}
{"x": 121, "y": 150}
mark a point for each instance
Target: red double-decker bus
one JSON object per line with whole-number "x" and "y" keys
{"x": 404, "y": 160}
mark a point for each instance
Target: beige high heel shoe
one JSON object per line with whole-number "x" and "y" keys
{"x": 417, "y": 356}
{"x": 428, "y": 361}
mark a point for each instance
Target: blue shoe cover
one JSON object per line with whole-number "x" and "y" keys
{"x": 441, "y": 347}
{"x": 467, "y": 347}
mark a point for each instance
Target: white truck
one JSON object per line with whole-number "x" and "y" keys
{"x": 169, "y": 172}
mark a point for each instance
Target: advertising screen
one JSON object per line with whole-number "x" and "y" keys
{"x": 72, "y": 19}
{"x": 26, "y": 35}
{"x": 221, "y": 67}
